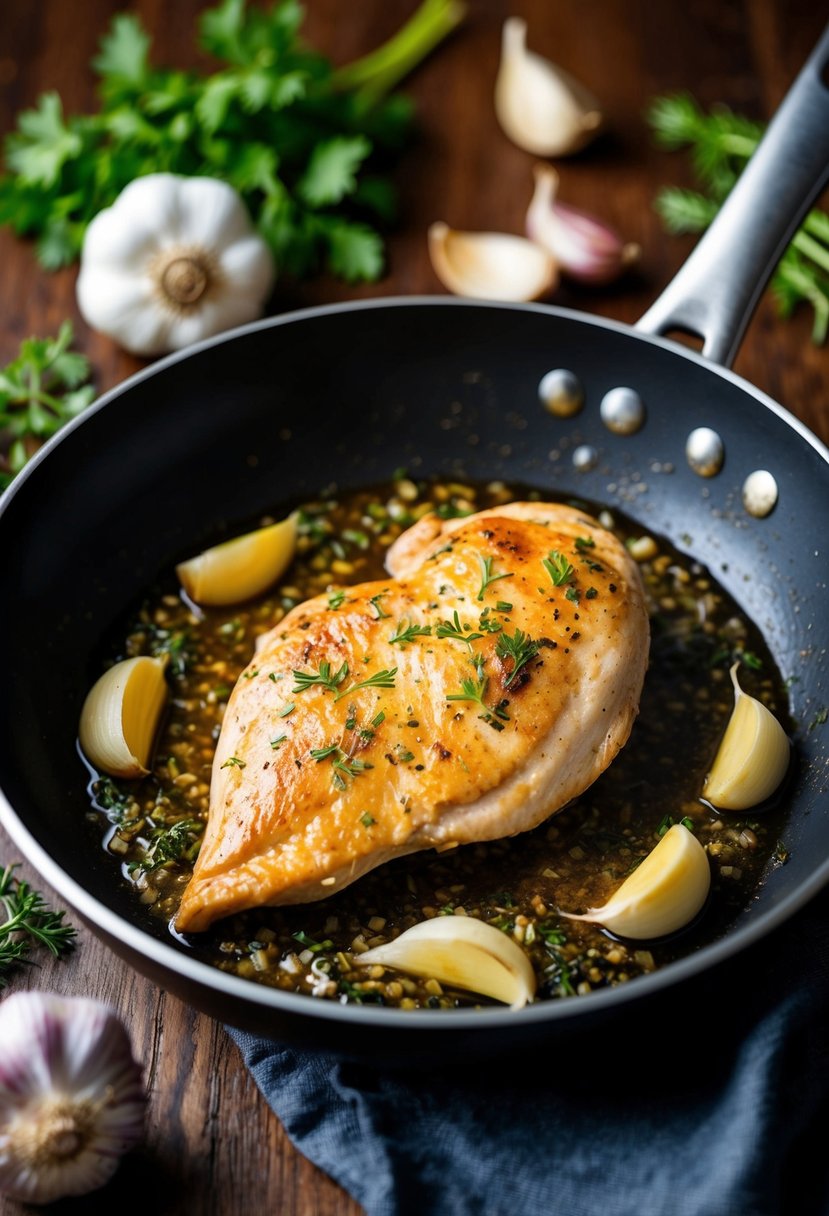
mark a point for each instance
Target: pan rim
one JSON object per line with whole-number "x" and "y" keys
{"x": 168, "y": 958}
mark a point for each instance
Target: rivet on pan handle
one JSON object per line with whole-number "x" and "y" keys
{"x": 716, "y": 291}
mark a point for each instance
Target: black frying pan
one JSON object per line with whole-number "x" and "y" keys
{"x": 179, "y": 455}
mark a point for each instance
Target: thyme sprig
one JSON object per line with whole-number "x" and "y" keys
{"x": 324, "y": 677}
{"x": 406, "y": 632}
{"x": 721, "y": 143}
{"x": 29, "y": 922}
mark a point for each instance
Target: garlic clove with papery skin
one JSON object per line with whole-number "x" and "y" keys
{"x": 71, "y": 1096}
{"x": 172, "y": 261}
{"x": 491, "y": 265}
{"x": 584, "y": 247}
{"x": 464, "y": 952}
{"x": 542, "y": 108}
{"x": 753, "y": 756}
{"x": 663, "y": 894}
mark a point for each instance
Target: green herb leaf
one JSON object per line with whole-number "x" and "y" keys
{"x": 324, "y": 677}
{"x": 380, "y": 679}
{"x": 720, "y": 143}
{"x": 39, "y": 393}
{"x": 519, "y": 647}
{"x": 26, "y": 921}
{"x": 455, "y": 629}
{"x": 406, "y": 633}
{"x": 558, "y": 568}
{"x": 487, "y": 577}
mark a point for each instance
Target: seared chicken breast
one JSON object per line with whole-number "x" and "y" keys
{"x": 480, "y": 688}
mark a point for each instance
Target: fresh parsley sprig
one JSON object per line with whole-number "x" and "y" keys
{"x": 28, "y": 922}
{"x": 519, "y": 647}
{"x": 720, "y": 144}
{"x": 40, "y": 390}
{"x": 307, "y": 147}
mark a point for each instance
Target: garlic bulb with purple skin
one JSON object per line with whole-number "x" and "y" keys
{"x": 71, "y": 1097}
{"x": 584, "y": 247}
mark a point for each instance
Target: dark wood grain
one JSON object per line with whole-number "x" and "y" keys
{"x": 211, "y": 1139}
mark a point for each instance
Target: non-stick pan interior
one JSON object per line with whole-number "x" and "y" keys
{"x": 184, "y": 454}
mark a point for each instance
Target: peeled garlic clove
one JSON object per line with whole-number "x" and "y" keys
{"x": 491, "y": 265}
{"x": 584, "y": 247}
{"x": 464, "y": 952}
{"x": 241, "y": 568}
{"x": 664, "y": 893}
{"x": 541, "y": 107}
{"x": 120, "y": 716}
{"x": 753, "y": 756}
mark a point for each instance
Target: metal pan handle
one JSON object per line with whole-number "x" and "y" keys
{"x": 715, "y": 293}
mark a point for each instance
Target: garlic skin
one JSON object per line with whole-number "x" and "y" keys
{"x": 539, "y": 106}
{"x": 464, "y": 952}
{"x": 663, "y": 894}
{"x": 584, "y": 247}
{"x": 71, "y": 1097}
{"x": 238, "y": 569}
{"x": 120, "y": 716}
{"x": 753, "y": 756}
{"x": 172, "y": 261}
{"x": 491, "y": 265}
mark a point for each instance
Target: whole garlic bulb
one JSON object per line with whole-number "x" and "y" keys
{"x": 71, "y": 1097}
{"x": 173, "y": 260}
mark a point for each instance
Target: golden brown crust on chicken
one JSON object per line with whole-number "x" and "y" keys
{"x": 366, "y": 775}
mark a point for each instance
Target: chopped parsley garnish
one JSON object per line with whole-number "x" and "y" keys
{"x": 487, "y": 577}
{"x": 558, "y": 568}
{"x": 488, "y": 623}
{"x": 407, "y": 633}
{"x": 590, "y": 593}
{"x": 234, "y": 762}
{"x": 503, "y": 606}
{"x": 403, "y": 754}
{"x": 380, "y": 679}
{"x": 367, "y": 820}
{"x": 573, "y": 594}
{"x": 519, "y": 647}
{"x": 380, "y": 718}
{"x": 585, "y": 542}
{"x": 324, "y": 677}
{"x": 454, "y": 629}
{"x": 335, "y": 599}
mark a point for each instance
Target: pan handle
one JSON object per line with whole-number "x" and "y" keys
{"x": 715, "y": 293}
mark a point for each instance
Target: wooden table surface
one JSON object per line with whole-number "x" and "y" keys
{"x": 210, "y": 1134}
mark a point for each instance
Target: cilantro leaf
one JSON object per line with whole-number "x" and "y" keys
{"x": 40, "y": 390}
{"x": 124, "y": 51}
{"x": 44, "y": 142}
{"x": 332, "y": 170}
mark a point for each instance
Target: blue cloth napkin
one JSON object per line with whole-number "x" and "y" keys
{"x": 715, "y": 1103}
